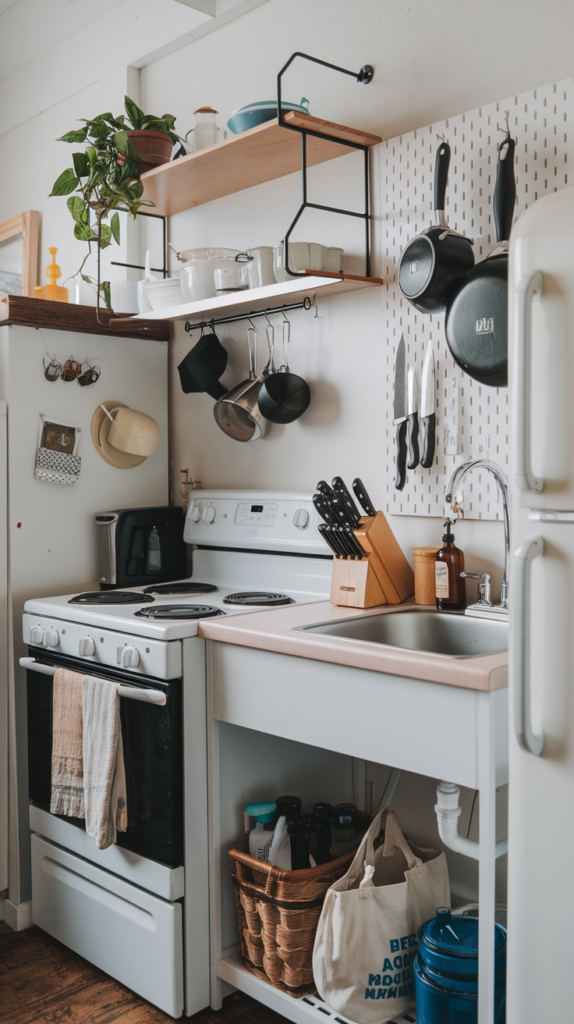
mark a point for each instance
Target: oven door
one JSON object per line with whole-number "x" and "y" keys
{"x": 152, "y": 739}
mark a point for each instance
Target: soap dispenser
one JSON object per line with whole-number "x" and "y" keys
{"x": 449, "y": 563}
{"x": 261, "y": 837}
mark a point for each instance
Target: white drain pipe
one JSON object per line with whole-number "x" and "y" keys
{"x": 447, "y": 813}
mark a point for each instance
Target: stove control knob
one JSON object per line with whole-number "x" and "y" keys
{"x": 208, "y": 514}
{"x": 301, "y": 518}
{"x": 128, "y": 657}
{"x": 195, "y": 514}
{"x": 87, "y": 647}
{"x": 51, "y": 638}
{"x": 36, "y": 635}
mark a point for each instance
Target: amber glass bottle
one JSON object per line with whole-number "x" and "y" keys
{"x": 450, "y": 589}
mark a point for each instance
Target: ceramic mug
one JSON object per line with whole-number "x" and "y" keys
{"x": 134, "y": 432}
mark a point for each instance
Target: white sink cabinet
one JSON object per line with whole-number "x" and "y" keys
{"x": 280, "y": 723}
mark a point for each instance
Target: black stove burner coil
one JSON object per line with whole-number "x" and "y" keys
{"x": 257, "y": 598}
{"x": 173, "y": 612}
{"x": 112, "y": 597}
{"x": 180, "y": 588}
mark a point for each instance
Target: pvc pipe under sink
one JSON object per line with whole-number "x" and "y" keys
{"x": 447, "y": 812}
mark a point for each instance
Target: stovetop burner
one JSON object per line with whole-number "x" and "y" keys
{"x": 181, "y": 588}
{"x": 111, "y": 597}
{"x": 179, "y": 611}
{"x": 257, "y": 597}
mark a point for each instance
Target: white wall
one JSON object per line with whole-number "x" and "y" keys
{"x": 431, "y": 60}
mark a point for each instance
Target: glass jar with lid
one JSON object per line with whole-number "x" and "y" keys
{"x": 205, "y": 132}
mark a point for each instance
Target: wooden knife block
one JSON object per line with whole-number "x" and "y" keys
{"x": 383, "y": 577}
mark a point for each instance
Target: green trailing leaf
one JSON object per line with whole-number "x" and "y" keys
{"x": 78, "y": 135}
{"x": 115, "y": 226}
{"x": 106, "y": 234}
{"x": 105, "y": 290}
{"x": 77, "y": 208}
{"x": 121, "y": 143}
{"x": 65, "y": 184}
{"x": 88, "y": 280}
{"x": 84, "y": 232}
{"x": 81, "y": 164}
{"x": 135, "y": 115}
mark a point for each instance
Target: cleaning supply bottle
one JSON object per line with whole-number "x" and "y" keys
{"x": 52, "y": 291}
{"x": 449, "y": 563}
{"x": 261, "y": 837}
{"x": 288, "y": 807}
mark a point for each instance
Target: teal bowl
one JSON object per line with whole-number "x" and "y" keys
{"x": 254, "y": 114}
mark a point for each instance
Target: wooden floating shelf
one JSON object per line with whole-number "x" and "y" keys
{"x": 67, "y": 316}
{"x": 260, "y": 154}
{"x": 253, "y": 299}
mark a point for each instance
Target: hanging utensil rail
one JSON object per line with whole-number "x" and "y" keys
{"x": 306, "y": 304}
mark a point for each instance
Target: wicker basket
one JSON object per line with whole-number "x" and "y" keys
{"x": 278, "y": 913}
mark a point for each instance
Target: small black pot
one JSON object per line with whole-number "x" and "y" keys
{"x": 202, "y": 367}
{"x": 431, "y": 261}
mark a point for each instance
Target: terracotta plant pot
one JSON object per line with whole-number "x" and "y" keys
{"x": 154, "y": 148}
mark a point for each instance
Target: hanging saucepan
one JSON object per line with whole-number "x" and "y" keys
{"x": 476, "y": 318}
{"x": 284, "y": 396}
{"x": 237, "y": 413}
{"x": 202, "y": 367}
{"x": 432, "y": 260}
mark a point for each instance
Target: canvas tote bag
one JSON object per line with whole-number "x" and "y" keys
{"x": 367, "y": 936}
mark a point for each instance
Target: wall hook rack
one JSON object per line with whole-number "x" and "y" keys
{"x": 307, "y": 303}
{"x": 364, "y": 76}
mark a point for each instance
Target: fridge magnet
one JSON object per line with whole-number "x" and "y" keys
{"x": 57, "y": 459}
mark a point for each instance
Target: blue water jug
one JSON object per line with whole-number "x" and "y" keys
{"x": 446, "y": 971}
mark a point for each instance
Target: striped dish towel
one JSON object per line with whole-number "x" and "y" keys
{"x": 67, "y": 795}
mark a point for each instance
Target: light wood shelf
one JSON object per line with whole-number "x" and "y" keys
{"x": 260, "y": 154}
{"x": 311, "y": 283}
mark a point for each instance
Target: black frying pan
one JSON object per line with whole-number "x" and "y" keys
{"x": 432, "y": 260}
{"x": 477, "y": 309}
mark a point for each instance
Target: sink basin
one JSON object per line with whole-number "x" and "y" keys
{"x": 447, "y": 633}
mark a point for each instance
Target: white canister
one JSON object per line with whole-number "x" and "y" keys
{"x": 260, "y": 271}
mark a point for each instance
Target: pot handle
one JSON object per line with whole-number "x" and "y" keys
{"x": 442, "y": 162}
{"x": 504, "y": 198}
{"x": 252, "y": 350}
{"x": 521, "y": 362}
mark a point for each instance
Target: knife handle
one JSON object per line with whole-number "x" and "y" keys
{"x": 428, "y": 438}
{"x": 413, "y": 434}
{"x": 401, "y": 439}
{"x": 324, "y": 489}
{"x": 362, "y": 496}
{"x": 342, "y": 491}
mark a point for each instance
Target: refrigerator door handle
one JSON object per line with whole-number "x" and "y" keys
{"x": 527, "y": 290}
{"x": 531, "y": 741}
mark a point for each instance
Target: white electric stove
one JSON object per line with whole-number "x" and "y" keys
{"x": 252, "y": 551}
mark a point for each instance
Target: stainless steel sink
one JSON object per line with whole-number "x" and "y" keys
{"x": 447, "y": 633}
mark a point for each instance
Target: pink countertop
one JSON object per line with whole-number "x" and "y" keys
{"x": 274, "y": 630}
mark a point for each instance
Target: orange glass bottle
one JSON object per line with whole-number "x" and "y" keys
{"x": 449, "y": 563}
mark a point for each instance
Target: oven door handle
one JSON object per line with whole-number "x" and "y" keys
{"x": 133, "y": 692}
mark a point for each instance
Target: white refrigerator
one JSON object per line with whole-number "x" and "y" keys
{"x": 47, "y": 530}
{"x": 541, "y": 788}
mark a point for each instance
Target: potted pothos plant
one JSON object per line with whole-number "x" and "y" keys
{"x": 105, "y": 176}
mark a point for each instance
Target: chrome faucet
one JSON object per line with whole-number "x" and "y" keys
{"x": 457, "y": 478}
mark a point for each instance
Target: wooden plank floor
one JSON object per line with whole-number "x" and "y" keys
{"x": 42, "y": 982}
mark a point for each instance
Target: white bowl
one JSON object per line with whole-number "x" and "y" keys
{"x": 162, "y": 294}
{"x": 306, "y": 256}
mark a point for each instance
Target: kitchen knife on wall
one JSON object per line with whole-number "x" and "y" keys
{"x": 427, "y": 408}
{"x": 413, "y": 418}
{"x": 362, "y": 496}
{"x": 400, "y": 415}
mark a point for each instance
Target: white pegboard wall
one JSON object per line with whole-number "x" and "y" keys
{"x": 539, "y": 122}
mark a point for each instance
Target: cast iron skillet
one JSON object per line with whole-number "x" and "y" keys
{"x": 432, "y": 260}
{"x": 476, "y": 317}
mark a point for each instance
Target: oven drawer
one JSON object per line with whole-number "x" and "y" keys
{"x": 135, "y": 937}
